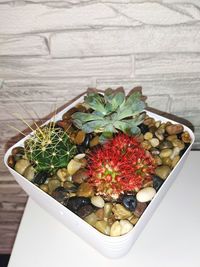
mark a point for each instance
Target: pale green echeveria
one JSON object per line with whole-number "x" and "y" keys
{"x": 112, "y": 112}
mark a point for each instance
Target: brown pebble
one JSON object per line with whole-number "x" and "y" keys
{"x": 66, "y": 125}
{"x": 174, "y": 129}
{"x": 149, "y": 121}
{"x": 100, "y": 214}
{"x": 85, "y": 190}
{"x": 11, "y": 161}
{"x": 141, "y": 206}
{"x": 17, "y": 150}
{"x": 80, "y": 176}
{"x": 186, "y": 137}
{"x": 79, "y": 137}
{"x": 67, "y": 115}
{"x": 94, "y": 141}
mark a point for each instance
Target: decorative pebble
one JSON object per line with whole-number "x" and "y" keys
{"x": 175, "y": 161}
{"x": 94, "y": 141}
{"x": 146, "y": 145}
{"x": 40, "y": 178}
{"x": 157, "y": 182}
{"x": 29, "y": 173}
{"x": 108, "y": 210}
{"x": 171, "y": 137}
{"x": 186, "y": 137}
{"x": 149, "y": 121}
{"x": 160, "y": 136}
{"x": 85, "y": 190}
{"x": 162, "y": 171}
{"x": 53, "y": 184}
{"x": 157, "y": 124}
{"x": 174, "y": 129}
{"x": 79, "y": 137}
{"x": 175, "y": 152}
{"x": 11, "y": 161}
{"x": 154, "y": 142}
{"x": 103, "y": 227}
{"x": 74, "y": 203}
{"x": 62, "y": 174}
{"x": 126, "y": 227}
{"x": 91, "y": 219}
{"x": 133, "y": 220}
{"x": 167, "y": 161}
{"x": 86, "y": 141}
{"x": 140, "y": 208}
{"x": 148, "y": 136}
{"x": 121, "y": 212}
{"x": 81, "y": 149}
{"x": 178, "y": 143}
{"x": 73, "y": 166}
{"x": 97, "y": 201}
{"x": 130, "y": 202}
{"x": 79, "y": 156}
{"x": 65, "y": 124}
{"x": 165, "y": 144}
{"x": 85, "y": 211}
{"x": 154, "y": 151}
{"x": 80, "y": 176}
{"x": 165, "y": 153}
{"x": 60, "y": 193}
{"x": 44, "y": 188}
{"x": 21, "y": 165}
{"x": 158, "y": 160}
{"x": 70, "y": 187}
{"x": 146, "y": 194}
{"x": 116, "y": 229}
{"x": 18, "y": 150}
{"x": 100, "y": 214}
{"x": 143, "y": 128}
{"x": 67, "y": 115}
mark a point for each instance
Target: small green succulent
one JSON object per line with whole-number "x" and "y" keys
{"x": 111, "y": 112}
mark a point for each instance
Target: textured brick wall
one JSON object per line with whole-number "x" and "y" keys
{"x": 56, "y": 49}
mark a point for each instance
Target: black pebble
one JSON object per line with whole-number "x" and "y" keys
{"x": 129, "y": 202}
{"x": 81, "y": 149}
{"x": 85, "y": 211}
{"x": 40, "y": 178}
{"x": 86, "y": 141}
{"x": 157, "y": 182}
{"x": 60, "y": 193}
{"x": 74, "y": 203}
{"x": 143, "y": 128}
{"x": 184, "y": 149}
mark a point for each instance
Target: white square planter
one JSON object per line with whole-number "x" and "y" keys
{"x": 112, "y": 247}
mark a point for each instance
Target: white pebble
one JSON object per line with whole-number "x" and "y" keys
{"x": 146, "y": 194}
{"x": 97, "y": 201}
{"x": 79, "y": 156}
{"x": 154, "y": 142}
{"x": 126, "y": 226}
{"x": 115, "y": 229}
{"x": 73, "y": 166}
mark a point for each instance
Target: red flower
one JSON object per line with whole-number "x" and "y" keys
{"x": 119, "y": 166}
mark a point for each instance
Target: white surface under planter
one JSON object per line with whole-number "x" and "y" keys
{"x": 112, "y": 247}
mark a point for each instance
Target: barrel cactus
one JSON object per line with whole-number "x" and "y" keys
{"x": 49, "y": 148}
{"x": 111, "y": 112}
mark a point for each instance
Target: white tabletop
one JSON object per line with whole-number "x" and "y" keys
{"x": 170, "y": 239}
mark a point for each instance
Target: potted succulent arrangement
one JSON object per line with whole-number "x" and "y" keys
{"x": 101, "y": 166}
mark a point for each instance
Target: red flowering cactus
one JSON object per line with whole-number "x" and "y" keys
{"x": 119, "y": 166}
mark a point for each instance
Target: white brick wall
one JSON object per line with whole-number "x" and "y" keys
{"x": 53, "y": 50}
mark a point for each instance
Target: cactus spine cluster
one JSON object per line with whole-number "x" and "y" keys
{"x": 49, "y": 148}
